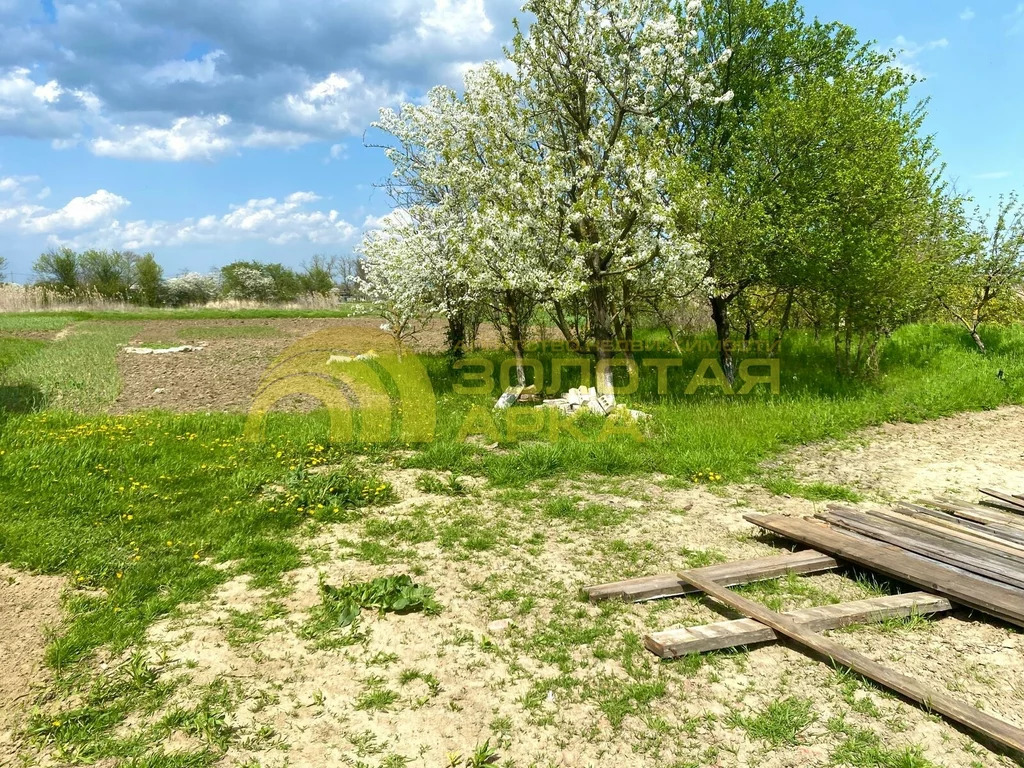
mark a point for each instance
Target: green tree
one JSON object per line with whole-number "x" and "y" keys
{"x": 259, "y": 281}
{"x": 149, "y": 281}
{"x": 58, "y": 268}
{"x": 318, "y": 275}
{"x": 855, "y": 207}
{"x": 3, "y": 269}
{"x": 733, "y": 154}
{"x": 109, "y": 273}
{"x": 982, "y": 280}
{"x": 749, "y": 168}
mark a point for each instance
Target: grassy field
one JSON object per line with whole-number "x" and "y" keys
{"x": 150, "y": 512}
{"x": 55, "y": 320}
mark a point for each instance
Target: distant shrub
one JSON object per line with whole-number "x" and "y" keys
{"x": 192, "y": 288}
{"x": 257, "y": 281}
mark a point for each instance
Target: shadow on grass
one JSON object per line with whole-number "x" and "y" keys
{"x": 20, "y": 398}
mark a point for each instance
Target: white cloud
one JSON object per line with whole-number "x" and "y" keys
{"x": 93, "y": 221}
{"x": 341, "y": 102}
{"x": 188, "y": 138}
{"x": 16, "y": 186}
{"x": 34, "y": 108}
{"x": 202, "y": 70}
{"x": 458, "y": 21}
{"x": 112, "y": 76}
{"x": 79, "y": 213}
{"x": 908, "y": 52}
{"x": 967, "y": 14}
{"x": 993, "y": 175}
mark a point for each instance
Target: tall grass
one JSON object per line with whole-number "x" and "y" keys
{"x": 16, "y": 298}
{"x": 77, "y": 373}
{"x": 926, "y": 372}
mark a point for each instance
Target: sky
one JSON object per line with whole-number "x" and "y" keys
{"x": 208, "y": 131}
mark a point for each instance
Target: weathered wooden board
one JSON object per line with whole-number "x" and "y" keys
{"x": 978, "y": 513}
{"x": 998, "y": 732}
{"x": 731, "y": 574}
{"x": 944, "y": 550}
{"x": 672, "y": 643}
{"x": 995, "y": 546}
{"x": 1006, "y": 500}
{"x": 963, "y": 527}
{"x": 967, "y": 589}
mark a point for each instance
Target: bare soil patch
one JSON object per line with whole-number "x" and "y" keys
{"x": 29, "y": 604}
{"x": 565, "y": 683}
{"x": 949, "y": 456}
{"x": 226, "y": 374}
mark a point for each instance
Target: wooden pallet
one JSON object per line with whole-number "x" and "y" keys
{"x": 673, "y": 643}
{"x": 730, "y": 574}
{"x": 960, "y": 552}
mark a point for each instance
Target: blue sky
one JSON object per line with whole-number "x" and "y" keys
{"x": 210, "y": 131}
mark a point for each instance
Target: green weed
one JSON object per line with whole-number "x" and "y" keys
{"x": 780, "y": 722}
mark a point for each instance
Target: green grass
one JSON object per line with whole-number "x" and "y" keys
{"x": 13, "y": 350}
{"x": 926, "y": 372}
{"x": 22, "y": 321}
{"x": 782, "y": 485}
{"x": 78, "y": 372}
{"x": 862, "y": 748}
{"x": 779, "y": 722}
{"x": 143, "y": 507}
{"x": 34, "y": 321}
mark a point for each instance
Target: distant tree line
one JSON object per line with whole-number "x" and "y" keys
{"x": 138, "y": 279}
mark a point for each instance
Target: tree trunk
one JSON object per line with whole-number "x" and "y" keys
{"x": 455, "y": 335}
{"x": 977, "y": 340}
{"x": 720, "y": 314}
{"x": 784, "y": 325}
{"x": 515, "y": 333}
{"x": 604, "y": 333}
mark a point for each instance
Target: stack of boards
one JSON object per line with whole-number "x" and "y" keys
{"x": 972, "y": 554}
{"x": 956, "y": 552}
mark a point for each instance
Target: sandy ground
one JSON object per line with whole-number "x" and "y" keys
{"x": 29, "y": 604}
{"x": 549, "y": 688}
{"x": 544, "y": 690}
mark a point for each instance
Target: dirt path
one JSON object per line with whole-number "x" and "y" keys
{"x": 28, "y": 605}
{"x": 949, "y": 456}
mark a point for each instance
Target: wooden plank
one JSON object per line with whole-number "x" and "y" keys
{"x": 994, "y": 551}
{"x": 672, "y": 643}
{"x": 931, "y": 547}
{"x": 979, "y": 515}
{"x": 1006, "y": 500}
{"x": 990, "y": 514}
{"x": 961, "y": 587}
{"x": 962, "y": 526}
{"x": 996, "y": 731}
{"x": 731, "y": 574}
